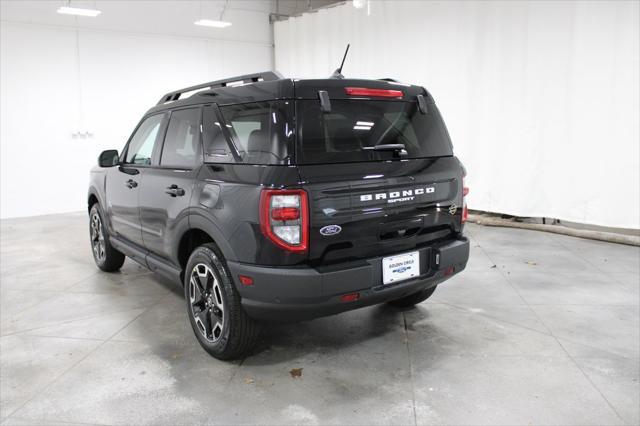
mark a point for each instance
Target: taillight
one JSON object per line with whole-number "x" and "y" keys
{"x": 284, "y": 218}
{"x": 465, "y": 211}
{"x": 363, "y": 91}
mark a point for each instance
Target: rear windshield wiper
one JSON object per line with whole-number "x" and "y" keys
{"x": 397, "y": 147}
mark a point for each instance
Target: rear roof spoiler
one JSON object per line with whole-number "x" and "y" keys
{"x": 242, "y": 79}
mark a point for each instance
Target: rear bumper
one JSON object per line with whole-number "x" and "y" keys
{"x": 295, "y": 294}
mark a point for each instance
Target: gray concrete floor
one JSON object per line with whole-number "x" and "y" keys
{"x": 549, "y": 335}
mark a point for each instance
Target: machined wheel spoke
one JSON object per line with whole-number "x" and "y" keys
{"x": 203, "y": 319}
{"x": 217, "y": 297}
{"x": 196, "y": 293}
{"x": 216, "y": 328}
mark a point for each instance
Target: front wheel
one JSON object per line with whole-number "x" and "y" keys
{"x": 106, "y": 257}
{"x": 413, "y": 299}
{"x": 220, "y": 324}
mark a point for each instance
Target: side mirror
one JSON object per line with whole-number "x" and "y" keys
{"x": 108, "y": 158}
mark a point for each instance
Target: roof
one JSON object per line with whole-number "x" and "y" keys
{"x": 271, "y": 85}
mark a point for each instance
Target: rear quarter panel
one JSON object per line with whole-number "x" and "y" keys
{"x": 226, "y": 200}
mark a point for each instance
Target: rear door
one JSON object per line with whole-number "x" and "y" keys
{"x": 165, "y": 197}
{"x": 366, "y": 202}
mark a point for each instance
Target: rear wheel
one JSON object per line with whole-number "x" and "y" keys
{"x": 106, "y": 257}
{"x": 413, "y": 299}
{"x": 220, "y": 324}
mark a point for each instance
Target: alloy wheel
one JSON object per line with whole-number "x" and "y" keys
{"x": 206, "y": 304}
{"x": 97, "y": 237}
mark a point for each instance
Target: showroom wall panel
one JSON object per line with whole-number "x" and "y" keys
{"x": 542, "y": 99}
{"x": 60, "y": 80}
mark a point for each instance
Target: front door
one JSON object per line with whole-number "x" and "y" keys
{"x": 166, "y": 195}
{"x": 123, "y": 183}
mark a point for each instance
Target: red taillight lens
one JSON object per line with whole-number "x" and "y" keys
{"x": 381, "y": 93}
{"x": 285, "y": 213}
{"x": 284, "y": 218}
{"x": 351, "y": 297}
{"x": 465, "y": 211}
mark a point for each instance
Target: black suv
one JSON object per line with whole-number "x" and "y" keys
{"x": 274, "y": 199}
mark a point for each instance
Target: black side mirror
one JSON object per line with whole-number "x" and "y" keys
{"x": 108, "y": 158}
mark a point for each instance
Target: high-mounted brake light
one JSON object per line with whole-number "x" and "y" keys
{"x": 381, "y": 93}
{"x": 284, "y": 218}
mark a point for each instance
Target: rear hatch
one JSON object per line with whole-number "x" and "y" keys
{"x": 366, "y": 201}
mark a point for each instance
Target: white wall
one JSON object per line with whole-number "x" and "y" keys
{"x": 75, "y": 75}
{"x": 541, "y": 98}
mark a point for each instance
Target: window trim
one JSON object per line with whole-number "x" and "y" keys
{"x": 233, "y": 145}
{"x": 225, "y": 133}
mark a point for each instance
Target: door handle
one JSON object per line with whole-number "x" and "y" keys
{"x": 131, "y": 183}
{"x": 174, "y": 191}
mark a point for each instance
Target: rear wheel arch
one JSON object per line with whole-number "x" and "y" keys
{"x": 190, "y": 240}
{"x": 204, "y": 223}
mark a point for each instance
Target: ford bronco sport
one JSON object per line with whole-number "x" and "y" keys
{"x": 273, "y": 199}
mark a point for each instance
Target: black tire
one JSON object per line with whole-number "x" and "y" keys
{"x": 213, "y": 306}
{"x": 413, "y": 299}
{"x": 105, "y": 255}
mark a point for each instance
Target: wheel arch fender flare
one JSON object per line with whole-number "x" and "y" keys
{"x": 197, "y": 221}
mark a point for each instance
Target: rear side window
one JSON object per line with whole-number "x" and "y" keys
{"x": 181, "y": 147}
{"x": 141, "y": 145}
{"x": 262, "y": 132}
{"x": 352, "y": 126}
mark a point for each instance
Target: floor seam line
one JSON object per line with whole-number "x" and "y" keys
{"x": 14, "y": 333}
{"x": 55, "y": 380}
{"x": 413, "y": 387}
{"x": 604, "y": 273}
{"x": 500, "y": 320}
{"x": 557, "y": 340}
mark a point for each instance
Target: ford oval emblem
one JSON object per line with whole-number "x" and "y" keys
{"x": 330, "y": 230}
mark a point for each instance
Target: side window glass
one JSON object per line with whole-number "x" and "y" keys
{"x": 142, "y": 142}
{"x": 216, "y": 147}
{"x": 182, "y": 143}
{"x": 261, "y": 131}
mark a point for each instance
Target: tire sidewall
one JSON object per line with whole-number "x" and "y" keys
{"x": 206, "y": 255}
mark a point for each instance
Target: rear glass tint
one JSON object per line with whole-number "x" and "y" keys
{"x": 352, "y": 126}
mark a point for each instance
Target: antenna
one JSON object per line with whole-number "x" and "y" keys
{"x": 338, "y": 73}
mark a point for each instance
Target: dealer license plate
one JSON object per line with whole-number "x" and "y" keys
{"x": 400, "y": 267}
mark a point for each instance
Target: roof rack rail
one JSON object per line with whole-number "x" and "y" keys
{"x": 388, "y": 79}
{"x": 242, "y": 79}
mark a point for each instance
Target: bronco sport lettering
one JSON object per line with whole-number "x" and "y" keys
{"x": 406, "y": 194}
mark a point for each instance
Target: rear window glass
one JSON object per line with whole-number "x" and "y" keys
{"x": 353, "y": 126}
{"x": 262, "y": 132}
